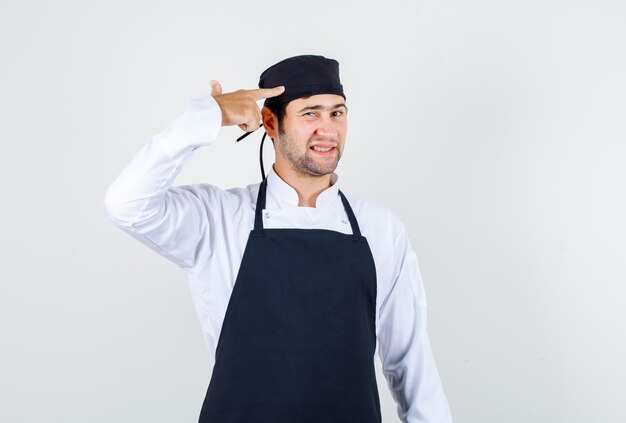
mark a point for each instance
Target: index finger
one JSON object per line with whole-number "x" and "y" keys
{"x": 261, "y": 93}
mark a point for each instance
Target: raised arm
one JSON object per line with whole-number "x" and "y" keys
{"x": 181, "y": 223}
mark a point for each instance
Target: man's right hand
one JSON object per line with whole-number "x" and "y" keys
{"x": 240, "y": 108}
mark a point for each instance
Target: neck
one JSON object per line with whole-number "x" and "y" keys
{"x": 308, "y": 187}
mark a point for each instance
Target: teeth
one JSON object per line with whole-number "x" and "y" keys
{"x": 316, "y": 148}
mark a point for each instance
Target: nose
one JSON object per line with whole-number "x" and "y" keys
{"x": 327, "y": 129}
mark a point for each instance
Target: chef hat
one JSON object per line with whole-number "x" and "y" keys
{"x": 302, "y": 76}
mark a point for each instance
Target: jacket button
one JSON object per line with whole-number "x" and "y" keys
{"x": 267, "y": 215}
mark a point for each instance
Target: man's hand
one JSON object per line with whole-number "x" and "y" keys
{"x": 240, "y": 108}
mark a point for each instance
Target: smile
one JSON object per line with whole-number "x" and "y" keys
{"x": 316, "y": 148}
{"x": 325, "y": 151}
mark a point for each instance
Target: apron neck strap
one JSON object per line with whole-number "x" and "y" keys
{"x": 355, "y": 225}
{"x": 260, "y": 205}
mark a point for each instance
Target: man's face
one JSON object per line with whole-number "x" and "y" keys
{"x": 311, "y": 126}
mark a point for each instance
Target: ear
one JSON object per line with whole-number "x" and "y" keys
{"x": 269, "y": 122}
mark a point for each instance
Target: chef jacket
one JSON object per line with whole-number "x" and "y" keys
{"x": 204, "y": 230}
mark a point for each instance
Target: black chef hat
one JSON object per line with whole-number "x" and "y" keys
{"x": 302, "y": 76}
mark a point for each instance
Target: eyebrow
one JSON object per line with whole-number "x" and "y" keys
{"x": 319, "y": 107}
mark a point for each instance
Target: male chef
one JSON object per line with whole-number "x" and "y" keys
{"x": 297, "y": 284}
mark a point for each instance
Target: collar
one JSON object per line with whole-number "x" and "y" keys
{"x": 286, "y": 196}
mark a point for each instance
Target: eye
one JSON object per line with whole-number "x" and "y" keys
{"x": 309, "y": 114}
{"x": 337, "y": 113}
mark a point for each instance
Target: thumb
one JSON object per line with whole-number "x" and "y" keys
{"x": 216, "y": 88}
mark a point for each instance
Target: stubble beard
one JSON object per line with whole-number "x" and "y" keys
{"x": 305, "y": 164}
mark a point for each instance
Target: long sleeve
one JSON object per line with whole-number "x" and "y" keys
{"x": 405, "y": 351}
{"x": 176, "y": 222}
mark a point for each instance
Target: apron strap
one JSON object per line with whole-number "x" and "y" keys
{"x": 260, "y": 205}
{"x": 355, "y": 225}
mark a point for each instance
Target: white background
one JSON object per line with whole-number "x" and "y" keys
{"x": 494, "y": 129}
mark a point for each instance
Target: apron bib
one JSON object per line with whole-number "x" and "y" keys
{"x": 298, "y": 338}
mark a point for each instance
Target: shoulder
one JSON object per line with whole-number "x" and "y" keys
{"x": 375, "y": 218}
{"x": 213, "y": 195}
{"x": 387, "y": 238}
{"x": 246, "y": 195}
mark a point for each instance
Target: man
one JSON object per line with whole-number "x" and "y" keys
{"x": 296, "y": 284}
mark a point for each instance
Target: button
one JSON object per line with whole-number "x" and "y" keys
{"x": 344, "y": 221}
{"x": 267, "y": 215}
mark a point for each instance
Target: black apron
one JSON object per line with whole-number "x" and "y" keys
{"x": 298, "y": 338}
